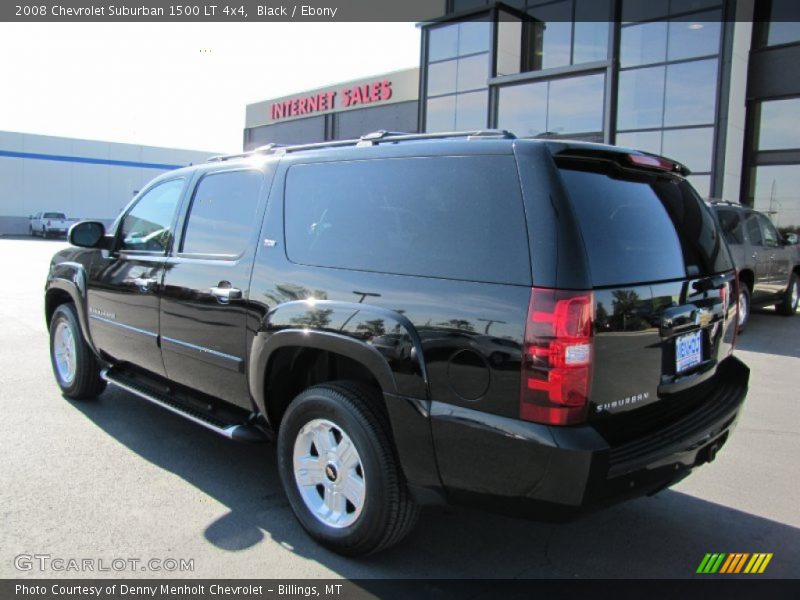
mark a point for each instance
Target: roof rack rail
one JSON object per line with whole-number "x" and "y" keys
{"x": 265, "y": 149}
{"x": 371, "y": 139}
{"x": 382, "y": 136}
{"x": 377, "y": 137}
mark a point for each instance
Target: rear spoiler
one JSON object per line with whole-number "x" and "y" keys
{"x": 627, "y": 158}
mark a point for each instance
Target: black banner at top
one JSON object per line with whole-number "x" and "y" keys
{"x": 378, "y": 10}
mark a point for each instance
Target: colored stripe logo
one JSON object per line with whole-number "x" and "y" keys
{"x": 736, "y": 562}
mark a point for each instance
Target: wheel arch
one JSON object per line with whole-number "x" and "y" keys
{"x": 67, "y": 284}
{"x": 748, "y": 277}
{"x": 291, "y": 359}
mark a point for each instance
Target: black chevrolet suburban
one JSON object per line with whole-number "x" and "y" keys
{"x": 536, "y": 327}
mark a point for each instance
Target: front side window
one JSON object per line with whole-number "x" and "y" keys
{"x": 148, "y": 225}
{"x": 754, "y": 231}
{"x": 768, "y": 232}
{"x": 222, "y": 215}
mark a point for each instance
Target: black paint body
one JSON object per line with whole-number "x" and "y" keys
{"x": 445, "y": 352}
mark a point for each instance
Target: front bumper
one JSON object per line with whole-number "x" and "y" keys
{"x": 557, "y": 473}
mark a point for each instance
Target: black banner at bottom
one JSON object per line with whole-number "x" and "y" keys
{"x": 731, "y": 588}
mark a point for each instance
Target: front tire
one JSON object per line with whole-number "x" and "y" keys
{"x": 340, "y": 472}
{"x": 75, "y": 366}
{"x": 788, "y": 305}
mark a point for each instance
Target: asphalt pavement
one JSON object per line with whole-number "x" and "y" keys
{"x": 119, "y": 478}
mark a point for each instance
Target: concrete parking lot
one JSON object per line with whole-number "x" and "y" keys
{"x": 120, "y": 478}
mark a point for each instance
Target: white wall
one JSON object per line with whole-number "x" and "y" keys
{"x": 81, "y": 190}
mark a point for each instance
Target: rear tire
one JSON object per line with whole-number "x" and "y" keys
{"x": 744, "y": 306}
{"x": 75, "y": 366}
{"x": 788, "y": 305}
{"x": 349, "y": 493}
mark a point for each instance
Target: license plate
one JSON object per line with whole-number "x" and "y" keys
{"x": 688, "y": 351}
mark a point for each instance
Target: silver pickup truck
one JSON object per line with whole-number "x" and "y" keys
{"x": 48, "y": 224}
{"x": 768, "y": 263}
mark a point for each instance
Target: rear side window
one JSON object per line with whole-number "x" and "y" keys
{"x": 451, "y": 217}
{"x": 650, "y": 228}
{"x": 222, "y": 215}
{"x": 731, "y": 224}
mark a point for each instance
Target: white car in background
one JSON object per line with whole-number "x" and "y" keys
{"x": 47, "y": 224}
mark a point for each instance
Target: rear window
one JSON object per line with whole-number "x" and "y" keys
{"x": 647, "y": 228}
{"x": 451, "y": 217}
{"x": 54, "y": 216}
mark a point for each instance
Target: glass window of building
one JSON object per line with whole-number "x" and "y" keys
{"x": 779, "y": 124}
{"x": 555, "y": 46}
{"x": 784, "y": 22}
{"x": 775, "y": 192}
{"x": 571, "y": 106}
{"x": 643, "y": 44}
{"x": 695, "y": 147}
{"x": 646, "y": 10}
{"x": 572, "y": 32}
{"x": 667, "y": 91}
{"x": 458, "y": 63}
{"x": 471, "y": 110}
{"x": 559, "y": 33}
{"x": 690, "y": 93}
{"x": 440, "y": 114}
{"x": 694, "y": 35}
{"x": 640, "y": 103}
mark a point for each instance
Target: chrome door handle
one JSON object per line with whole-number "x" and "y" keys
{"x": 226, "y": 294}
{"x": 144, "y": 283}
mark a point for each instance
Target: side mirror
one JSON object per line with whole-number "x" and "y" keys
{"x": 791, "y": 239}
{"x": 86, "y": 234}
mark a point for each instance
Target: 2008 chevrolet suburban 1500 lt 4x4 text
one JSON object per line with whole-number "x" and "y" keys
{"x": 541, "y": 327}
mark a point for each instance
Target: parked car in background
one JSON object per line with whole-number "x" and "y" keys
{"x": 767, "y": 262}
{"x": 47, "y": 224}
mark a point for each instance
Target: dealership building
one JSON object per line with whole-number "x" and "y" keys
{"x": 85, "y": 179}
{"x": 711, "y": 83}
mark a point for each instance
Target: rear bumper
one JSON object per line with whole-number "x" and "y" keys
{"x": 558, "y": 473}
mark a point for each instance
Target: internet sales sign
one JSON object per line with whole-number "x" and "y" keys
{"x": 349, "y": 97}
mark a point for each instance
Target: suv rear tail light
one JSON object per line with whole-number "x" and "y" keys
{"x": 557, "y": 358}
